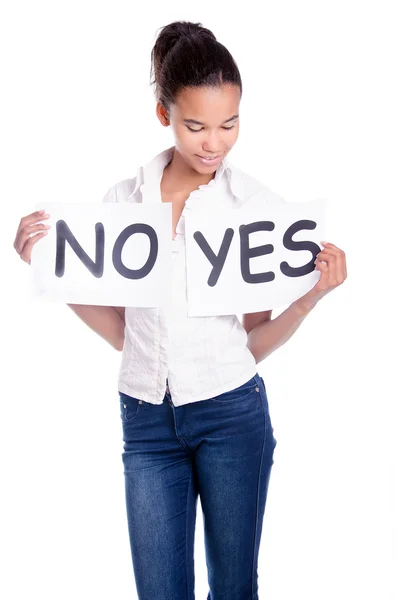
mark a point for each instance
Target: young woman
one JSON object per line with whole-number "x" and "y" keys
{"x": 194, "y": 410}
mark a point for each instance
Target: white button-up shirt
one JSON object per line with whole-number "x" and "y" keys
{"x": 199, "y": 357}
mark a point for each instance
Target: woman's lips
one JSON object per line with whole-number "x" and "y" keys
{"x": 211, "y": 161}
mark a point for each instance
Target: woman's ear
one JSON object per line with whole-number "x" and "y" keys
{"x": 162, "y": 114}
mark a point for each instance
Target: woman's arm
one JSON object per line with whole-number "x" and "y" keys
{"x": 265, "y": 337}
{"x": 106, "y": 321}
{"x": 121, "y": 311}
{"x": 270, "y": 334}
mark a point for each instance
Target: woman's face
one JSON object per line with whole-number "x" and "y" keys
{"x": 205, "y": 123}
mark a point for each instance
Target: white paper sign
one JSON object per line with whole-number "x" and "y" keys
{"x": 253, "y": 258}
{"x": 105, "y": 254}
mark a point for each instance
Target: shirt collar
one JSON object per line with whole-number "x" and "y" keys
{"x": 149, "y": 176}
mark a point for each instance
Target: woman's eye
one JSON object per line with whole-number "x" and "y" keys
{"x": 196, "y": 130}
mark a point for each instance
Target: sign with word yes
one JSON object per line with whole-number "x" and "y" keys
{"x": 252, "y": 258}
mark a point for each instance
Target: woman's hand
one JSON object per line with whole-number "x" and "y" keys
{"x": 23, "y": 243}
{"x": 333, "y": 273}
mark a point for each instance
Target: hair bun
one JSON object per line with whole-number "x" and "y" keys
{"x": 195, "y": 29}
{"x": 190, "y": 28}
{"x": 186, "y": 54}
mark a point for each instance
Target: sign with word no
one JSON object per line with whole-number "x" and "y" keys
{"x": 105, "y": 254}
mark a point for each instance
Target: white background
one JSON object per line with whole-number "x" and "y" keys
{"x": 318, "y": 119}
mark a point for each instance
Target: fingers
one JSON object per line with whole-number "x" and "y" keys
{"x": 24, "y": 235}
{"x": 331, "y": 265}
{"x": 335, "y": 261}
{"x": 26, "y": 222}
{"x": 27, "y": 249}
{"x": 29, "y": 224}
{"x": 33, "y": 218}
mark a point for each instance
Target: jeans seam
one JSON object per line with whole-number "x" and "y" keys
{"x": 186, "y": 534}
{"x": 257, "y": 511}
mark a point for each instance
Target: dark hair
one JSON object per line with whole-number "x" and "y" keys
{"x": 186, "y": 54}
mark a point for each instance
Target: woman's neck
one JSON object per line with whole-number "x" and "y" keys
{"x": 179, "y": 177}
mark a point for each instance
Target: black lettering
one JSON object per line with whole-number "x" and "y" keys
{"x": 64, "y": 235}
{"x": 119, "y": 245}
{"x": 246, "y": 253}
{"x": 217, "y": 261}
{"x": 285, "y": 268}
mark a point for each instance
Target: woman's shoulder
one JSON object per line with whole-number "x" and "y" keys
{"x": 252, "y": 189}
{"x": 124, "y": 191}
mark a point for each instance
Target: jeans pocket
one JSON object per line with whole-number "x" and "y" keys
{"x": 239, "y": 393}
{"x": 129, "y": 407}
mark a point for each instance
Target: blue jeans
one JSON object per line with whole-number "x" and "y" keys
{"x": 222, "y": 449}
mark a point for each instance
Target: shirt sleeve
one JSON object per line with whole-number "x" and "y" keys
{"x": 265, "y": 196}
{"x": 110, "y": 195}
{"x": 121, "y": 191}
{"x": 256, "y": 193}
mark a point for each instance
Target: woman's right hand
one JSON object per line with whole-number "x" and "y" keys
{"x": 23, "y": 243}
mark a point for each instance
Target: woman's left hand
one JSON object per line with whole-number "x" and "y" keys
{"x": 333, "y": 273}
